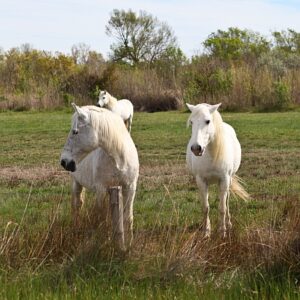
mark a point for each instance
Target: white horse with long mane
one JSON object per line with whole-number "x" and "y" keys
{"x": 214, "y": 156}
{"x": 123, "y": 107}
{"x": 100, "y": 153}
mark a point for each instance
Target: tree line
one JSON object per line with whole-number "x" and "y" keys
{"x": 238, "y": 67}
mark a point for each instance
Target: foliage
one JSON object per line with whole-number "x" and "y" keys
{"x": 43, "y": 80}
{"x": 236, "y": 44}
{"x": 206, "y": 80}
{"x": 287, "y": 41}
{"x": 282, "y": 94}
{"x": 239, "y": 68}
{"x": 139, "y": 38}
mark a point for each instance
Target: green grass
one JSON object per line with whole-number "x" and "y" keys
{"x": 41, "y": 256}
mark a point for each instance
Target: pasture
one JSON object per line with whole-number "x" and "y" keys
{"x": 43, "y": 256}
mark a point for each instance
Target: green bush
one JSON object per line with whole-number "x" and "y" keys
{"x": 282, "y": 94}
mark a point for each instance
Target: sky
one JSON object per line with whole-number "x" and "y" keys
{"x": 57, "y": 25}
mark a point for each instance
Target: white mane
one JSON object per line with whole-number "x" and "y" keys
{"x": 112, "y": 100}
{"x": 111, "y": 130}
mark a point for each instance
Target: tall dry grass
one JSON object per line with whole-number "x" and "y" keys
{"x": 34, "y": 79}
{"x": 165, "y": 251}
{"x": 147, "y": 90}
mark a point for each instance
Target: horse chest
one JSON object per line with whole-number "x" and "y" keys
{"x": 205, "y": 168}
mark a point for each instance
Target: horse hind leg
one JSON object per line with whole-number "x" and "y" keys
{"x": 228, "y": 221}
{"x": 224, "y": 207}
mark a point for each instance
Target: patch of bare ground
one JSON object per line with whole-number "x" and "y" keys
{"x": 35, "y": 175}
{"x": 47, "y": 174}
{"x": 165, "y": 174}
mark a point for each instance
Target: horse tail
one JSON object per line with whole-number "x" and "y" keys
{"x": 237, "y": 188}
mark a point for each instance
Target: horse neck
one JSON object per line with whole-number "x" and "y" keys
{"x": 110, "y": 139}
{"x": 112, "y": 102}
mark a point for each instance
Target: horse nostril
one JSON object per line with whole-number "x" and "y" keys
{"x": 68, "y": 165}
{"x": 72, "y": 166}
{"x": 196, "y": 148}
{"x": 63, "y": 163}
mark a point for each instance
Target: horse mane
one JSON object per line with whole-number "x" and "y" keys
{"x": 217, "y": 144}
{"x": 112, "y": 100}
{"x": 111, "y": 131}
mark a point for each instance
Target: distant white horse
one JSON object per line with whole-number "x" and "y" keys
{"x": 123, "y": 107}
{"x": 100, "y": 153}
{"x": 213, "y": 156}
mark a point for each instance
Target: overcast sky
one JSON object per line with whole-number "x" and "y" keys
{"x": 56, "y": 25}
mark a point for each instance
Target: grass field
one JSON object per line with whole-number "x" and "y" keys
{"x": 43, "y": 257}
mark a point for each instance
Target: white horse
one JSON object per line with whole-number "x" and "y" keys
{"x": 123, "y": 107}
{"x": 213, "y": 156}
{"x": 100, "y": 153}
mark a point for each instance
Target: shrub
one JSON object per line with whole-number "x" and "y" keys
{"x": 282, "y": 94}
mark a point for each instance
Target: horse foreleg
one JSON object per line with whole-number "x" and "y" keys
{"x": 128, "y": 199}
{"x": 203, "y": 187}
{"x": 223, "y": 206}
{"x": 77, "y": 200}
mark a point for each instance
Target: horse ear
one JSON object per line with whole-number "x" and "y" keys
{"x": 213, "y": 108}
{"x": 190, "y": 106}
{"x": 83, "y": 115}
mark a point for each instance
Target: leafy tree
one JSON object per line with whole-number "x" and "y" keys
{"x": 80, "y": 53}
{"x": 236, "y": 44}
{"x": 287, "y": 41}
{"x": 139, "y": 38}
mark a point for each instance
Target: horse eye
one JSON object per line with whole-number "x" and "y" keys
{"x": 207, "y": 122}
{"x": 75, "y": 131}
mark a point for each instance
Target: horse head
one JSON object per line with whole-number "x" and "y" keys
{"x": 82, "y": 139}
{"x": 103, "y": 99}
{"x": 203, "y": 126}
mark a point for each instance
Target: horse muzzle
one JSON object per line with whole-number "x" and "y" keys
{"x": 68, "y": 165}
{"x": 197, "y": 150}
